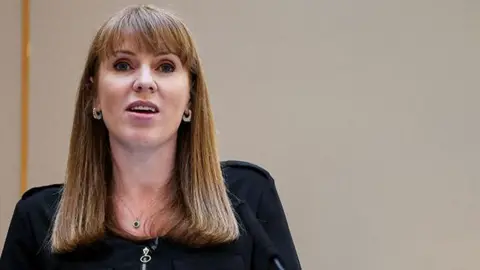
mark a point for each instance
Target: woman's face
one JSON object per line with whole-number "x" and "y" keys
{"x": 142, "y": 96}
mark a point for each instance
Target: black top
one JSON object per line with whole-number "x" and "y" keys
{"x": 25, "y": 247}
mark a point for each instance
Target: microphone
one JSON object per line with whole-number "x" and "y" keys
{"x": 258, "y": 234}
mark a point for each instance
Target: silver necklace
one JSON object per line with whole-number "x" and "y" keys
{"x": 136, "y": 222}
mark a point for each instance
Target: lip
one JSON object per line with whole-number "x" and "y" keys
{"x": 141, "y": 117}
{"x": 144, "y": 103}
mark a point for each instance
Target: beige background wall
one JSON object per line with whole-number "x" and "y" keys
{"x": 366, "y": 112}
{"x": 10, "y": 72}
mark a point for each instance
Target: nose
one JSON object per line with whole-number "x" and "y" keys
{"x": 145, "y": 81}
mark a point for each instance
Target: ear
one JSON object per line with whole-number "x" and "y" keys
{"x": 188, "y": 106}
{"x": 96, "y": 104}
{"x": 96, "y": 101}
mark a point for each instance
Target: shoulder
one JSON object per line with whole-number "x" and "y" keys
{"x": 42, "y": 193}
{"x": 246, "y": 181}
{"x": 39, "y": 202}
{"x": 244, "y": 173}
{"x": 33, "y": 214}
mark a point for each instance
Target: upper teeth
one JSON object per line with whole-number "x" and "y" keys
{"x": 145, "y": 108}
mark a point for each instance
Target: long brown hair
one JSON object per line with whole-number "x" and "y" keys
{"x": 204, "y": 214}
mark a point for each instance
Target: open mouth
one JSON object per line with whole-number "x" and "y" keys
{"x": 144, "y": 107}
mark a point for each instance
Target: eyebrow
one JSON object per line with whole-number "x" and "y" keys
{"x": 116, "y": 52}
{"x": 123, "y": 52}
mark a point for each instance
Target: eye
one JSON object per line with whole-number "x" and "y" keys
{"x": 166, "y": 67}
{"x": 122, "y": 66}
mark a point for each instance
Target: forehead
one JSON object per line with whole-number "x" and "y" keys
{"x": 133, "y": 43}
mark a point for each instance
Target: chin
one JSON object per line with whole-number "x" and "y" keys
{"x": 151, "y": 139}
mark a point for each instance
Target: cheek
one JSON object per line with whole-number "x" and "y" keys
{"x": 110, "y": 94}
{"x": 177, "y": 97}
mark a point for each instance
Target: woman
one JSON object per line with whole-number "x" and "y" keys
{"x": 144, "y": 188}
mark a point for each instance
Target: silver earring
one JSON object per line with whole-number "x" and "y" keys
{"x": 97, "y": 114}
{"x": 187, "y": 117}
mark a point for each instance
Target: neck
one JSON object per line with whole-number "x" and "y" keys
{"x": 141, "y": 175}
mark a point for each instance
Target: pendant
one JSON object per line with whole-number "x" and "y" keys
{"x": 145, "y": 258}
{"x": 136, "y": 224}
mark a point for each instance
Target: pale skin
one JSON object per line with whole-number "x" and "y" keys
{"x": 143, "y": 149}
